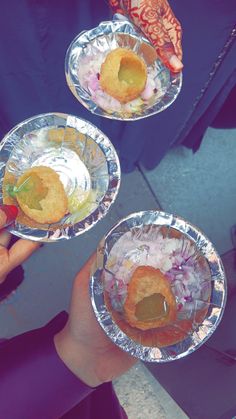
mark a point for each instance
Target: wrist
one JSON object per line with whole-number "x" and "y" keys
{"x": 78, "y": 358}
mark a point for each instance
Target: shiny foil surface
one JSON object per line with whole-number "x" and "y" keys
{"x": 144, "y": 224}
{"x": 101, "y": 40}
{"x": 85, "y": 160}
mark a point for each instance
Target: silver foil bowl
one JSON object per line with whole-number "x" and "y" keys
{"x": 101, "y": 40}
{"x": 147, "y": 221}
{"x": 80, "y": 153}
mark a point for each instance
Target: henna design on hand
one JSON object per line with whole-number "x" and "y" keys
{"x": 158, "y": 22}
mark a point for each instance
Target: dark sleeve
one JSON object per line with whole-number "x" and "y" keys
{"x": 34, "y": 382}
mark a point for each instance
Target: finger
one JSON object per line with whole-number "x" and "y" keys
{"x": 8, "y": 214}
{"x": 173, "y": 27}
{"x": 20, "y": 252}
{"x": 165, "y": 48}
{"x": 84, "y": 274}
{"x": 159, "y": 37}
{"x": 4, "y": 263}
{"x": 5, "y": 238}
{"x": 149, "y": 20}
{"x": 116, "y": 6}
{"x": 81, "y": 288}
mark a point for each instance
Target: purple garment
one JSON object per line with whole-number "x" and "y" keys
{"x": 36, "y": 384}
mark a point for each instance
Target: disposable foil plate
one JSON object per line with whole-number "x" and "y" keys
{"x": 89, "y": 49}
{"x": 143, "y": 226}
{"x": 80, "y": 153}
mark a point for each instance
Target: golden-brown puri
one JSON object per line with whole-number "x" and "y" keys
{"x": 149, "y": 282}
{"x": 160, "y": 336}
{"x": 147, "y": 51}
{"x": 123, "y": 75}
{"x": 67, "y": 134}
{"x": 50, "y": 198}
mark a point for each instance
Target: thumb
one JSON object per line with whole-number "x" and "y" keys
{"x": 83, "y": 276}
{"x": 160, "y": 39}
{"x": 160, "y": 26}
{"x": 21, "y": 251}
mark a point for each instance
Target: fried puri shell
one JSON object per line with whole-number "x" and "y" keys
{"x": 149, "y": 282}
{"x": 123, "y": 75}
{"x": 159, "y": 337}
{"x": 54, "y": 205}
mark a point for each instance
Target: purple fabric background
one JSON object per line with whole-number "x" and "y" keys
{"x": 36, "y": 384}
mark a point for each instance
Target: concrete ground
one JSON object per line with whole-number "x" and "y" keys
{"x": 200, "y": 187}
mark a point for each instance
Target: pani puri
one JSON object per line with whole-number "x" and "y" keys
{"x": 123, "y": 75}
{"x": 41, "y": 195}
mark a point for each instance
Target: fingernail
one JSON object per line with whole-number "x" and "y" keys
{"x": 175, "y": 63}
{"x": 8, "y": 214}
